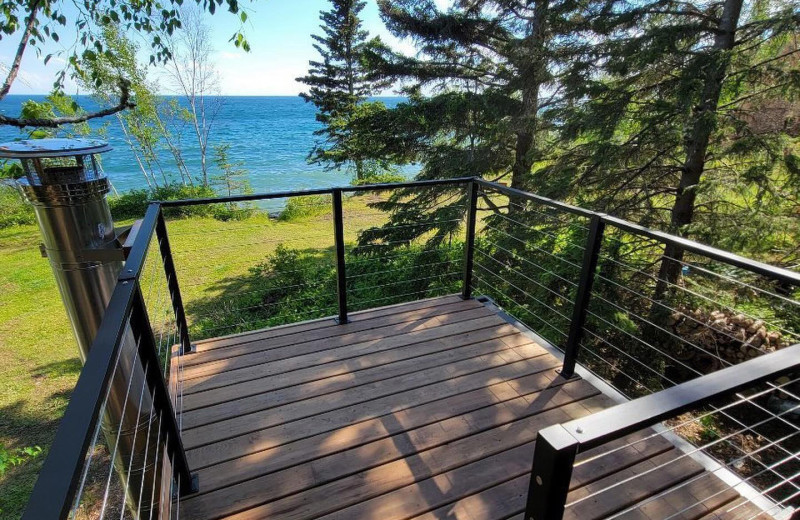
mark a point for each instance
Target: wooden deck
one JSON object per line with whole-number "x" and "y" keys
{"x": 421, "y": 410}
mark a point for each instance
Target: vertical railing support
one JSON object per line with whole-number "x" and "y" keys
{"x": 172, "y": 283}
{"x": 341, "y": 274}
{"x": 553, "y": 459}
{"x": 583, "y": 294}
{"x": 469, "y": 246}
{"x": 151, "y": 361}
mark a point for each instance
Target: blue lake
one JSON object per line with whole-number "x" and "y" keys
{"x": 270, "y": 135}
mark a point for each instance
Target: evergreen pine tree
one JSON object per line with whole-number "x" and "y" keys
{"x": 667, "y": 131}
{"x": 481, "y": 93}
{"x": 338, "y": 83}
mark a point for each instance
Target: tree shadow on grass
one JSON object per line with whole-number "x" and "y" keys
{"x": 24, "y": 427}
{"x": 64, "y": 367}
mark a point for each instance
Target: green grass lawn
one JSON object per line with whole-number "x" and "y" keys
{"x": 39, "y": 363}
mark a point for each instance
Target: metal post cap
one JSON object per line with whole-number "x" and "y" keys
{"x": 55, "y": 147}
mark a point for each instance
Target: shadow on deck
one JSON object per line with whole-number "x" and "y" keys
{"x": 422, "y": 410}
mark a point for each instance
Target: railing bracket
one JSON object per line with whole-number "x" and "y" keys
{"x": 560, "y": 372}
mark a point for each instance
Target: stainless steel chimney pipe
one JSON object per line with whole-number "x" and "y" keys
{"x": 67, "y": 188}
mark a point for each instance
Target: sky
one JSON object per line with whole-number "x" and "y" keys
{"x": 279, "y": 33}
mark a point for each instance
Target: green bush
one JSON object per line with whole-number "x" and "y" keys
{"x": 305, "y": 207}
{"x": 133, "y": 204}
{"x": 293, "y": 285}
{"x": 385, "y": 177}
{"x": 14, "y": 210}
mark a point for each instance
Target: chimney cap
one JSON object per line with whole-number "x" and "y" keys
{"x": 55, "y": 147}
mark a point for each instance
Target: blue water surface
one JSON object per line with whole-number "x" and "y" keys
{"x": 270, "y": 135}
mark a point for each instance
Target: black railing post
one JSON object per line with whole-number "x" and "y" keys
{"x": 341, "y": 274}
{"x": 469, "y": 246}
{"x": 583, "y": 294}
{"x": 172, "y": 283}
{"x": 553, "y": 458}
{"x": 150, "y": 359}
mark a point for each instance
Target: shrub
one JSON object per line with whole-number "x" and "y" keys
{"x": 305, "y": 207}
{"x": 133, "y": 204}
{"x": 378, "y": 172}
{"x": 379, "y": 178}
{"x": 14, "y": 210}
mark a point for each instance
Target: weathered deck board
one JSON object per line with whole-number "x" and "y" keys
{"x": 425, "y": 410}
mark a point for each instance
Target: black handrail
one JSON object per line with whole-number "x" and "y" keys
{"x": 557, "y": 445}
{"x": 770, "y": 271}
{"x": 54, "y": 492}
{"x": 598, "y": 222}
{"x": 322, "y": 191}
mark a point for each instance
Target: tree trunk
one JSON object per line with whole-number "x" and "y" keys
{"x": 521, "y": 168}
{"x": 697, "y": 142}
{"x": 359, "y": 169}
{"x": 533, "y": 66}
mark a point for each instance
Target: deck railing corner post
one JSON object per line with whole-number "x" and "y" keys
{"x": 341, "y": 274}
{"x": 583, "y": 294}
{"x": 553, "y": 458}
{"x": 469, "y": 246}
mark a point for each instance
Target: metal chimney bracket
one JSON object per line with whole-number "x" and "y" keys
{"x": 112, "y": 253}
{"x": 109, "y": 254}
{"x": 127, "y": 235}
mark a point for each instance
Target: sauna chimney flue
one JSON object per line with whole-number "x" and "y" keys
{"x": 64, "y": 181}
{"x": 67, "y": 188}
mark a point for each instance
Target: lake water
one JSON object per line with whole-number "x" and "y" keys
{"x": 271, "y": 135}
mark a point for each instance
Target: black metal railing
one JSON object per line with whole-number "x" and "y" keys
{"x": 558, "y": 447}
{"x": 118, "y": 445}
{"x": 594, "y": 287}
{"x": 567, "y": 273}
{"x": 328, "y": 252}
{"x": 587, "y": 283}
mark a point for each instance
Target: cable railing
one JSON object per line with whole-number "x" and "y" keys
{"x": 572, "y": 461}
{"x": 598, "y": 288}
{"x": 261, "y": 270}
{"x": 286, "y": 267}
{"x": 412, "y": 249}
{"x": 118, "y": 450}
